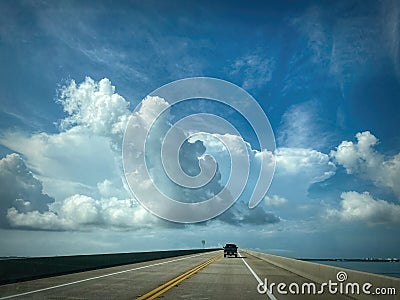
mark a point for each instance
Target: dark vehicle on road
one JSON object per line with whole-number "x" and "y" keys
{"x": 230, "y": 249}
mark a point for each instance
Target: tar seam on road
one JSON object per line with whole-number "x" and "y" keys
{"x": 269, "y": 294}
{"x": 97, "y": 277}
{"x": 173, "y": 282}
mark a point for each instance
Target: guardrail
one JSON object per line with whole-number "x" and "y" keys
{"x": 21, "y": 269}
{"x": 320, "y": 273}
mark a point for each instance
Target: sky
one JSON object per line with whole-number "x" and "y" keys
{"x": 74, "y": 74}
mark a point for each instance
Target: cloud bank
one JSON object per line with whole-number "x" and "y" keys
{"x": 73, "y": 180}
{"x": 80, "y": 167}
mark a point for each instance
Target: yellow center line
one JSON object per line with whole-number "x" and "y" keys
{"x": 173, "y": 282}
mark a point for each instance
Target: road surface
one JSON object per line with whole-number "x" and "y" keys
{"x": 197, "y": 276}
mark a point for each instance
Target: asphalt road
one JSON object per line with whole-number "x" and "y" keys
{"x": 200, "y": 276}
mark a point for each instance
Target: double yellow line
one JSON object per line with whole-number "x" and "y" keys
{"x": 170, "y": 284}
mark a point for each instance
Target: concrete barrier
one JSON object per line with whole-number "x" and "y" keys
{"x": 21, "y": 269}
{"x": 320, "y": 273}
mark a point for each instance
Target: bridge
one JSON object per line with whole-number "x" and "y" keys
{"x": 208, "y": 275}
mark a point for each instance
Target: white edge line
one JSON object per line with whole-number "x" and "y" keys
{"x": 97, "y": 277}
{"x": 269, "y": 294}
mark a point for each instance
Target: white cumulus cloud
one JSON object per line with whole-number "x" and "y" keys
{"x": 79, "y": 166}
{"x": 275, "y": 200}
{"x": 96, "y": 106}
{"x": 87, "y": 149}
{"x": 356, "y": 206}
{"x": 311, "y": 165}
{"x": 363, "y": 160}
{"x": 81, "y": 212}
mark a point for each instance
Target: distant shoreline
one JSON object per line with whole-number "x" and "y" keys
{"x": 353, "y": 259}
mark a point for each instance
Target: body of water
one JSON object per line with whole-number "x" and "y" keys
{"x": 378, "y": 267}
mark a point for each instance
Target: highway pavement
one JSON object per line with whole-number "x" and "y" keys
{"x": 198, "y": 276}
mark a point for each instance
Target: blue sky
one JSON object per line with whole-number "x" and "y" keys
{"x": 327, "y": 75}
